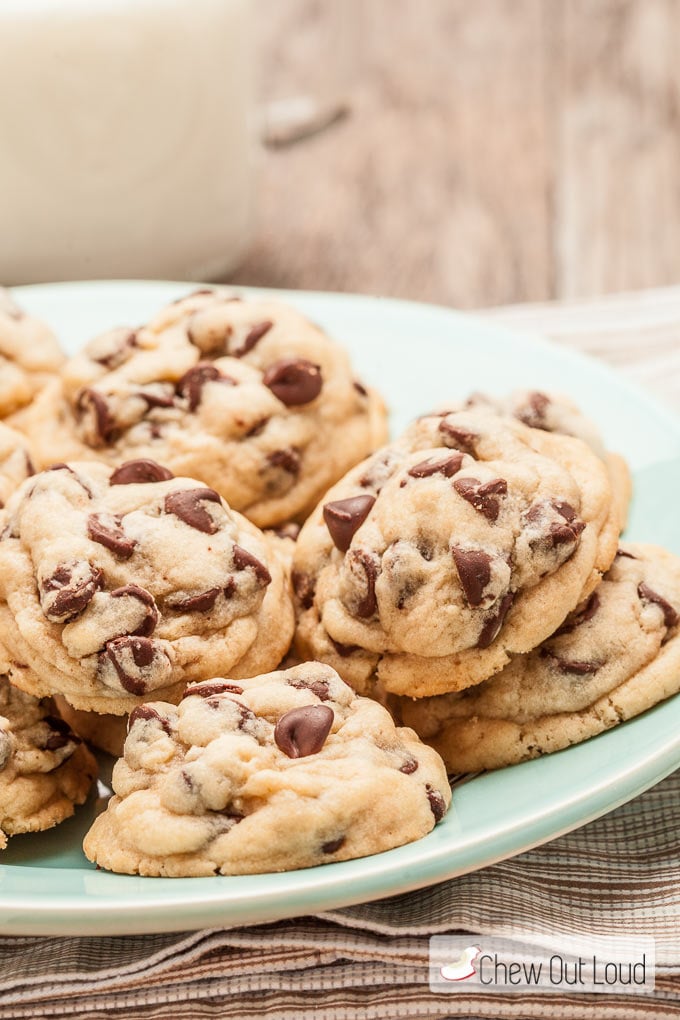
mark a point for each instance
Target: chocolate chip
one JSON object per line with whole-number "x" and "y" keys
{"x": 344, "y": 517}
{"x": 243, "y": 560}
{"x": 474, "y": 571}
{"x": 565, "y": 510}
{"x": 288, "y": 460}
{"x": 437, "y": 803}
{"x": 255, "y": 334}
{"x": 136, "y": 472}
{"x": 562, "y": 534}
{"x": 202, "y": 602}
{"x": 60, "y": 734}
{"x": 148, "y": 624}
{"x": 533, "y": 412}
{"x": 318, "y": 687}
{"x": 409, "y": 766}
{"x": 304, "y": 586}
{"x": 343, "y": 650}
{"x": 360, "y": 388}
{"x": 55, "y": 741}
{"x": 447, "y": 467}
{"x": 575, "y": 667}
{"x": 294, "y": 381}
{"x": 556, "y": 533}
{"x": 460, "y": 438}
{"x": 147, "y": 713}
{"x": 366, "y": 563}
{"x": 133, "y": 658}
{"x": 647, "y": 594}
{"x": 573, "y": 528}
{"x": 157, "y": 398}
{"x": 192, "y": 382}
{"x": 69, "y": 589}
{"x": 425, "y": 547}
{"x": 332, "y": 845}
{"x": 569, "y": 532}
{"x": 626, "y": 555}
{"x": 303, "y": 731}
{"x": 257, "y": 428}
{"x": 122, "y": 345}
{"x": 493, "y": 623}
{"x": 106, "y": 529}
{"x": 92, "y": 403}
{"x": 213, "y": 687}
{"x": 483, "y": 497}
{"x": 188, "y": 781}
{"x": 186, "y": 505}
{"x": 580, "y": 615}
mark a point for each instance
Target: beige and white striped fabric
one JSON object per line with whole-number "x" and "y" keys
{"x": 618, "y": 875}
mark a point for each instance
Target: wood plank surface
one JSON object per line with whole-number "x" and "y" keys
{"x": 496, "y": 152}
{"x": 617, "y": 223}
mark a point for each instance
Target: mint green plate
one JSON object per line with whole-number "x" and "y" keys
{"x": 419, "y": 356}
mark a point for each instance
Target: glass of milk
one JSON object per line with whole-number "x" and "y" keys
{"x": 127, "y": 138}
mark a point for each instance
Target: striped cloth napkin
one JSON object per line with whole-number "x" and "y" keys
{"x": 619, "y": 875}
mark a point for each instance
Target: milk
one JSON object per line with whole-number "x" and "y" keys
{"x": 126, "y": 138}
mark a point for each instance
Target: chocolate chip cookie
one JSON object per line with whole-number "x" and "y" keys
{"x": 615, "y": 656}
{"x": 466, "y": 541}
{"x": 44, "y": 769}
{"x": 120, "y": 585}
{"x": 286, "y": 770}
{"x": 29, "y": 356}
{"x": 247, "y": 396}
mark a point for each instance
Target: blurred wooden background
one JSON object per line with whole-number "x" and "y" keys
{"x": 496, "y": 151}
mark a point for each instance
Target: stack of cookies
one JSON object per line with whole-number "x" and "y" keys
{"x": 456, "y": 599}
{"x": 471, "y": 576}
{"x": 135, "y": 578}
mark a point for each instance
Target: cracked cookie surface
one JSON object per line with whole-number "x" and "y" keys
{"x": 247, "y": 396}
{"x": 120, "y": 585}
{"x": 282, "y": 771}
{"x": 44, "y": 769}
{"x": 614, "y": 657}
{"x": 467, "y": 540}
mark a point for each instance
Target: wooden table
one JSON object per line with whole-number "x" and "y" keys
{"x": 496, "y": 151}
